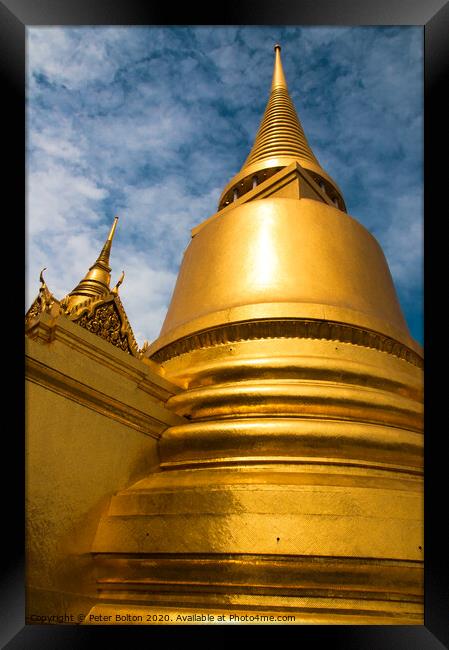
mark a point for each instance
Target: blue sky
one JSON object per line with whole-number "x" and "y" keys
{"x": 150, "y": 123}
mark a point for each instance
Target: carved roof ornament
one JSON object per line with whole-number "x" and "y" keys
{"x": 92, "y": 304}
{"x": 45, "y": 302}
{"x": 115, "y": 289}
{"x": 145, "y": 347}
{"x": 106, "y": 318}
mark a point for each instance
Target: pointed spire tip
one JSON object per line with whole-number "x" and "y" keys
{"x": 112, "y": 231}
{"x": 278, "y": 73}
{"x": 106, "y": 250}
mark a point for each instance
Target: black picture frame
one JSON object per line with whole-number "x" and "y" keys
{"x": 433, "y": 16}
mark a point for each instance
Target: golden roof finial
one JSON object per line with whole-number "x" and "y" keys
{"x": 279, "y": 142}
{"x": 115, "y": 289}
{"x": 97, "y": 279}
{"x": 44, "y": 302}
{"x": 45, "y": 296}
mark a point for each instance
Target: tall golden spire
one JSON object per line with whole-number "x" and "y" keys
{"x": 300, "y": 390}
{"x": 279, "y": 142}
{"x": 97, "y": 279}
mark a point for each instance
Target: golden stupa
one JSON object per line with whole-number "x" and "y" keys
{"x": 295, "y": 484}
{"x": 290, "y": 483}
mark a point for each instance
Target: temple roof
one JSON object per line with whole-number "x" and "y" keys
{"x": 92, "y": 304}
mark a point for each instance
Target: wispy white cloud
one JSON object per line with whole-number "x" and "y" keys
{"x": 73, "y": 57}
{"x": 151, "y": 123}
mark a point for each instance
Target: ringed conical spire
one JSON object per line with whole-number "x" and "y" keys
{"x": 280, "y": 133}
{"x": 279, "y": 141}
{"x": 97, "y": 279}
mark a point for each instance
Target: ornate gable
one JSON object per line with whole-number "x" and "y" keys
{"x": 91, "y": 304}
{"x": 107, "y": 318}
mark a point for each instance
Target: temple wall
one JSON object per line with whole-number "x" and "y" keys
{"x": 94, "y": 415}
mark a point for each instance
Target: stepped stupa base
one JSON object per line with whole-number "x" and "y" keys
{"x": 340, "y": 546}
{"x": 304, "y": 611}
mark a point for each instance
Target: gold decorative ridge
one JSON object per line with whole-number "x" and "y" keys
{"x": 287, "y": 328}
{"x": 49, "y": 330}
{"x": 91, "y": 398}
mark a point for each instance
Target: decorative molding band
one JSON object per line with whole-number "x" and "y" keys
{"x": 297, "y": 571}
{"x": 314, "y": 586}
{"x": 61, "y": 330}
{"x": 287, "y": 328}
{"x": 109, "y": 407}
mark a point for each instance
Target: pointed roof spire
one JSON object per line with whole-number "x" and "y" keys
{"x": 97, "y": 279}
{"x": 106, "y": 250}
{"x": 279, "y": 141}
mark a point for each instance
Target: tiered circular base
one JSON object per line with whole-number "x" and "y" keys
{"x": 295, "y": 486}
